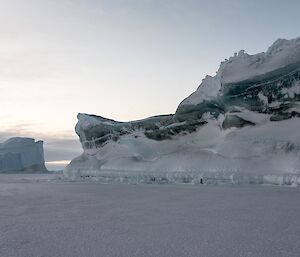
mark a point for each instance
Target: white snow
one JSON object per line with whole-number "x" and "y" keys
{"x": 53, "y": 218}
{"x": 208, "y": 90}
{"x": 254, "y": 117}
{"x": 244, "y": 66}
{"x": 263, "y": 98}
{"x": 292, "y": 91}
{"x": 86, "y": 121}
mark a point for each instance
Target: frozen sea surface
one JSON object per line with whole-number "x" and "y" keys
{"x": 43, "y": 216}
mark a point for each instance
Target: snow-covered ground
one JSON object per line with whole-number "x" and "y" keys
{"x": 43, "y": 215}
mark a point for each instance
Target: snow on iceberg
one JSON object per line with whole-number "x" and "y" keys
{"x": 22, "y": 154}
{"x": 283, "y": 54}
{"x": 241, "y": 126}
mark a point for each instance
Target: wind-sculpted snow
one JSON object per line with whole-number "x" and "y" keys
{"x": 21, "y": 154}
{"x": 240, "y": 126}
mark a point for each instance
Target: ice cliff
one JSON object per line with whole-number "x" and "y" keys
{"x": 21, "y": 154}
{"x": 240, "y": 125}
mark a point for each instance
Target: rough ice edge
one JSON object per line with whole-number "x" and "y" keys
{"x": 206, "y": 178}
{"x": 243, "y": 66}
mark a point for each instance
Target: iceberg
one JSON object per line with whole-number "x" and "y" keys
{"x": 22, "y": 154}
{"x": 240, "y": 126}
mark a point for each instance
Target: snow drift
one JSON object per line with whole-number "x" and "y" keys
{"x": 240, "y": 126}
{"x": 22, "y": 154}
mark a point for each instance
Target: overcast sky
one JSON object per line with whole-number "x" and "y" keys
{"x": 121, "y": 59}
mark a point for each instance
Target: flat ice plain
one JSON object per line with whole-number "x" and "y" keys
{"x": 44, "y": 216}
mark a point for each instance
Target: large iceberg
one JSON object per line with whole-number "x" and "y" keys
{"x": 22, "y": 154}
{"x": 241, "y": 125}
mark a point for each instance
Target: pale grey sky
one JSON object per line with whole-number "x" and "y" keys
{"x": 121, "y": 59}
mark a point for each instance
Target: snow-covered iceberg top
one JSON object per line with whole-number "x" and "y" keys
{"x": 243, "y": 66}
{"x": 21, "y": 154}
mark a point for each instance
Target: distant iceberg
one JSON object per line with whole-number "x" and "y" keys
{"x": 22, "y": 154}
{"x": 240, "y": 126}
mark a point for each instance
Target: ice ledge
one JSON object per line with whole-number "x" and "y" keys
{"x": 205, "y": 178}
